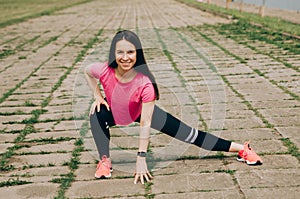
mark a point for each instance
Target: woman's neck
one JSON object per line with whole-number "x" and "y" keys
{"x": 125, "y": 76}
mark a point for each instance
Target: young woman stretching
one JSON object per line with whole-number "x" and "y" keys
{"x": 130, "y": 93}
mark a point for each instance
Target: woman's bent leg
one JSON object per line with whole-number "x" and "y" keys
{"x": 168, "y": 124}
{"x": 100, "y": 123}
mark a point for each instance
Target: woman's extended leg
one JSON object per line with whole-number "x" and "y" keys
{"x": 100, "y": 123}
{"x": 168, "y": 124}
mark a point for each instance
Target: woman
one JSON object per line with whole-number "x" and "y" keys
{"x": 130, "y": 93}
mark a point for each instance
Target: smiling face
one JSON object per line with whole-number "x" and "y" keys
{"x": 125, "y": 55}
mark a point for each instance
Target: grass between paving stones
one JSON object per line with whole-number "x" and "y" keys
{"x": 66, "y": 180}
{"x": 243, "y": 30}
{"x": 183, "y": 81}
{"x": 10, "y": 151}
{"x": 7, "y": 52}
{"x": 29, "y": 126}
{"x": 212, "y": 67}
{"x": 225, "y": 80}
{"x": 191, "y": 28}
{"x": 258, "y": 72}
{"x": 13, "y": 182}
{"x": 16, "y": 11}
{"x": 11, "y": 91}
{"x": 181, "y": 78}
{"x": 292, "y": 149}
{"x": 273, "y": 23}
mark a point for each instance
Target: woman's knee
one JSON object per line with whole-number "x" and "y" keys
{"x": 104, "y": 117}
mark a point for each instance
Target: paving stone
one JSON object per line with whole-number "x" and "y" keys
{"x": 243, "y": 135}
{"x": 3, "y": 147}
{"x": 241, "y": 123}
{"x": 284, "y": 121}
{"x": 30, "y": 97}
{"x": 101, "y": 188}
{"x": 269, "y": 162}
{"x": 24, "y": 90}
{"x": 13, "y": 118}
{"x": 30, "y": 177}
{"x": 188, "y": 167}
{"x": 281, "y": 112}
{"x": 49, "y": 172}
{"x": 278, "y": 192}
{"x": 37, "y": 190}
{"x": 267, "y": 96}
{"x": 272, "y": 178}
{"x": 25, "y": 109}
{"x": 44, "y": 127}
{"x": 275, "y": 103}
{"x": 59, "y": 109}
{"x": 228, "y": 193}
{"x": 66, "y": 125}
{"x": 291, "y": 133}
{"x": 56, "y": 116}
{"x": 45, "y": 159}
{"x": 192, "y": 182}
{"x": 161, "y": 140}
{"x": 269, "y": 146}
{"x": 67, "y": 146}
{"x": 123, "y": 156}
{"x": 6, "y": 137}
{"x": 125, "y": 142}
{"x": 51, "y": 134}
{"x": 89, "y": 157}
{"x": 12, "y": 127}
{"x": 174, "y": 150}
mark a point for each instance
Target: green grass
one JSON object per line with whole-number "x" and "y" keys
{"x": 244, "y": 29}
{"x": 13, "y": 182}
{"x": 16, "y": 11}
{"x": 292, "y": 148}
{"x": 272, "y": 23}
{"x": 10, "y": 151}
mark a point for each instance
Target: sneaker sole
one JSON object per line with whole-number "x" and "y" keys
{"x": 103, "y": 176}
{"x": 248, "y": 162}
{"x": 240, "y": 159}
{"x": 254, "y": 163}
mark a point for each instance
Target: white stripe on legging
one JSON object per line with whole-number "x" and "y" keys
{"x": 195, "y": 136}
{"x": 190, "y": 135}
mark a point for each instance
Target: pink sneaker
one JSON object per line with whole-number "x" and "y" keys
{"x": 249, "y": 156}
{"x": 104, "y": 168}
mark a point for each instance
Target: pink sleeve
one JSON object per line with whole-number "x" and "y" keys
{"x": 97, "y": 69}
{"x": 148, "y": 93}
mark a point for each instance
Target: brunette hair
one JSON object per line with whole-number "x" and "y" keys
{"x": 140, "y": 65}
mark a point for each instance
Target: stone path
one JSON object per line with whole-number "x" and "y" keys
{"x": 236, "y": 88}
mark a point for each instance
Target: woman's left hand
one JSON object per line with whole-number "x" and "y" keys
{"x": 141, "y": 171}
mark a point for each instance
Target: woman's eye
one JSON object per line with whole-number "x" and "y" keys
{"x": 130, "y": 52}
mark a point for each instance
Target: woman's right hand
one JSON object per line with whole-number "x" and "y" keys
{"x": 96, "y": 104}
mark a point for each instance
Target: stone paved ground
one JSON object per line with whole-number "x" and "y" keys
{"x": 236, "y": 88}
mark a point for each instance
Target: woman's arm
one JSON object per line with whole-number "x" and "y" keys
{"x": 145, "y": 123}
{"x": 92, "y": 82}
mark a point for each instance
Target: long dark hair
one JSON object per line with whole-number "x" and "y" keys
{"x": 140, "y": 65}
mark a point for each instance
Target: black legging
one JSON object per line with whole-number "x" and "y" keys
{"x": 161, "y": 121}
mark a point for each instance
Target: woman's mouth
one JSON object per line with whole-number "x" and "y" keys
{"x": 126, "y": 64}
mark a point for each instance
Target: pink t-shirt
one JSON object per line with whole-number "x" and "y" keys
{"x": 125, "y": 99}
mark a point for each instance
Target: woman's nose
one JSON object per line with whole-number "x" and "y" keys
{"x": 125, "y": 56}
